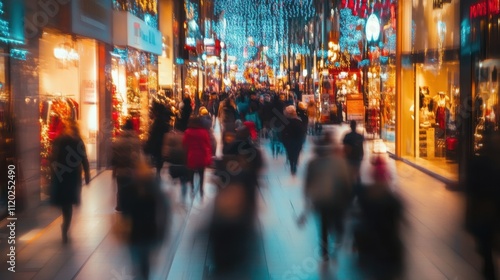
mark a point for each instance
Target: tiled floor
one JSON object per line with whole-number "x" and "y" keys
{"x": 437, "y": 246}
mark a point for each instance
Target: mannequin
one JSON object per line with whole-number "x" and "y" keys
{"x": 341, "y": 96}
{"x": 426, "y": 115}
{"x": 442, "y": 105}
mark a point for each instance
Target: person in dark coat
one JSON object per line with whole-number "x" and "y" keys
{"x": 302, "y": 114}
{"x": 482, "y": 208}
{"x": 327, "y": 189}
{"x": 249, "y": 163}
{"x": 213, "y": 108}
{"x": 377, "y": 237}
{"x": 148, "y": 211}
{"x": 155, "y": 137}
{"x": 354, "y": 152}
{"x": 68, "y": 160}
{"x": 293, "y": 137}
{"x": 126, "y": 153}
{"x": 227, "y": 115}
{"x": 185, "y": 113}
{"x": 266, "y": 115}
{"x": 196, "y": 142}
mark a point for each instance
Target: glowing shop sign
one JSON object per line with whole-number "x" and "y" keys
{"x": 372, "y": 28}
{"x": 484, "y": 8}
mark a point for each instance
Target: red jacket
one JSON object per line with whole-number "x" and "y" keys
{"x": 197, "y": 143}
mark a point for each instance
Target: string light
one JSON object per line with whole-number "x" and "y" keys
{"x": 266, "y": 22}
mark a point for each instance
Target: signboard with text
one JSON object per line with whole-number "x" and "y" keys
{"x": 137, "y": 33}
{"x": 355, "y": 108}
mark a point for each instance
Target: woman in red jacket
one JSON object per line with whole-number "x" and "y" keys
{"x": 197, "y": 144}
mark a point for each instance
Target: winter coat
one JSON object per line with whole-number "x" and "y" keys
{"x": 353, "y": 145}
{"x": 68, "y": 160}
{"x": 227, "y": 115}
{"x": 197, "y": 143}
{"x": 185, "y": 114}
{"x": 293, "y": 134}
{"x": 148, "y": 211}
{"x": 328, "y": 181}
{"x": 126, "y": 153}
{"x": 155, "y": 138}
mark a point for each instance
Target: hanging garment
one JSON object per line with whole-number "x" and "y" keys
{"x": 441, "y": 117}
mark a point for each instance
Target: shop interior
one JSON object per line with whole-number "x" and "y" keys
{"x": 68, "y": 89}
{"x": 434, "y": 111}
{"x": 485, "y": 102}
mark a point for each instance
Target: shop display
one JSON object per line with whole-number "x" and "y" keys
{"x": 486, "y": 114}
{"x": 53, "y": 111}
{"x": 437, "y": 114}
{"x": 441, "y": 108}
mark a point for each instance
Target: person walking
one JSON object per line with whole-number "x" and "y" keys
{"x": 354, "y": 152}
{"x": 126, "y": 153}
{"x": 213, "y": 108}
{"x": 186, "y": 110}
{"x": 293, "y": 137}
{"x": 148, "y": 212}
{"x": 155, "y": 137}
{"x": 68, "y": 161}
{"x": 196, "y": 142}
{"x": 377, "y": 236}
{"x": 327, "y": 190}
{"x": 482, "y": 207}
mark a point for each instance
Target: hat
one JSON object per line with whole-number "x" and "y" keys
{"x": 290, "y": 111}
{"x": 203, "y": 111}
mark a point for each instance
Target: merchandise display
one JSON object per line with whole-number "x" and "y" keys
{"x": 53, "y": 111}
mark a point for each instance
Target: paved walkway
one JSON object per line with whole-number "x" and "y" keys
{"x": 438, "y": 248}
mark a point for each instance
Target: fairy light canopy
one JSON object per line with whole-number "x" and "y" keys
{"x": 258, "y": 29}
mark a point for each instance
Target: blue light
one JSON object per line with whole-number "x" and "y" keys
{"x": 19, "y": 54}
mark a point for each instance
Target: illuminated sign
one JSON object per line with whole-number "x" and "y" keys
{"x": 209, "y": 41}
{"x": 484, "y": 8}
{"x": 190, "y": 41}
{"x": 137, "y": 33}
{"x": 372, "y": 28}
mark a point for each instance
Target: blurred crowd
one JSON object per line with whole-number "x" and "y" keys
{"x": 182, "y": 138}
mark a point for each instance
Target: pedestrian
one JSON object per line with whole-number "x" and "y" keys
{"x": 377, "y": 237}
{"x": 311, "y": 116}
{"x": 174, "y": 154}
{"x": 213, "y": 108}
{"x": 293, "y": 137}
{"x": 156, "y": 133}
{"x": 126, "y": 153}
{"x": 68, "y": 160}
{"x": 248, "y": 161}
{"x": 482, "y": 211}
{"x": 185, "y": 112}
{"x": 196, "y": 142}
{"x": 327, "y": 190}
{"x": 206, "y": 122}
{"x": 302, "y": 114}
{"x": 227, "y": 115}
{"x": 354, "y": 152}
{"x": 148, "y": 214}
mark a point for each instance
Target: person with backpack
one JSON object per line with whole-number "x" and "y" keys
{"x": 354, "y": 153}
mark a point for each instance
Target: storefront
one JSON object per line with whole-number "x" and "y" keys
{"x": 134, "y": 70}
{"x": 70, "y": 83}
{"x": 479, "y": 79}
{"x": 68, "y": 90}
{"x": 430, "y": 88}
{"x": 379, "y": 73}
